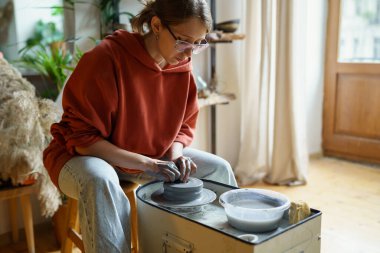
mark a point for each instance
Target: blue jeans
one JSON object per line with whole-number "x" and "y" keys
{"x": 104, "y": 209}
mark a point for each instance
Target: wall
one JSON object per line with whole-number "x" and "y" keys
{"x": 316, "y": 18}
{"x": 26, "y": 15}
{"x": 227, "y": 71}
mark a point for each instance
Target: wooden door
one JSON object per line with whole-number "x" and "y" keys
{"x": 351, "y": 118}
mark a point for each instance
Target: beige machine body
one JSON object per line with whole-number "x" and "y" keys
{"x": 205, "y": 229}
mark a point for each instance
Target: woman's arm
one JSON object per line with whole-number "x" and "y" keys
{"x": 116, "y": 156}
{"x": 175, "y": 151}
{"x": 122, "y": 158}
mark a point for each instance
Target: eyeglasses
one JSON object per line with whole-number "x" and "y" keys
{"x": 182, "y": 46}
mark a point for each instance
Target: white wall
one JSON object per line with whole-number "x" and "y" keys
{"x": 316, "y": 19}
{"x": 26, "y": 15}
{"x": 228, "y": 58}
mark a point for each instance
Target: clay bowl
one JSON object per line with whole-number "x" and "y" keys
{"x": 229, "y": 26}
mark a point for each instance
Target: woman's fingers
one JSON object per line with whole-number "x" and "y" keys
{"x": 173, "y": 171}
{"x": 186, "y": 167}
{"x": 167, "y": 171}
{"x": 187, "y": 170}
{"x": 168, "y": 176}
{"x": 193, "y": 167}
{"x": 182, "y": 167}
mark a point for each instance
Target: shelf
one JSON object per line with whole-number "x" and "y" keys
{"x": 221, "y": 37}
{"x": 216, "y": 98}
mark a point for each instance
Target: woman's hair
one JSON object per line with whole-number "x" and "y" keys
{"x": 172, "y": 12}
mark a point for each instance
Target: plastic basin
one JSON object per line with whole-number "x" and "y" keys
{"x": 254, "y": 210}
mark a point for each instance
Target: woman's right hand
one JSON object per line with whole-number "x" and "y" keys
{"x": 166, "y": 171}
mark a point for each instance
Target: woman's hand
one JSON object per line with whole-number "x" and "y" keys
{"x": 166, "y": 171}
{"x": 185, "y": 164}
{"x": 186, "y": 167}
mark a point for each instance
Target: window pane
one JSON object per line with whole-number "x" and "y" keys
{"x": 359, "y": 31}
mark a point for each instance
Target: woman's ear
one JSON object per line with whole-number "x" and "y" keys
{"x": 156, "y": 25}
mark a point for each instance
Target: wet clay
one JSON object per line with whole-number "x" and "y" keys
{"x": 178, "y": 191}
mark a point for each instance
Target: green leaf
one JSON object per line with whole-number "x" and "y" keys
{"x": 57, "y": 10}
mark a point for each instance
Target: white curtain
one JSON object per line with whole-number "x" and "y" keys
{"x": 273, "y": 111}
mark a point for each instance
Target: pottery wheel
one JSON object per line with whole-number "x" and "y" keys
{"x": 185, "y": 192}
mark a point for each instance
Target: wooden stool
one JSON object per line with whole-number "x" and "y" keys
{"x": 23, "y": 193}
{"x": 72, "y": 221}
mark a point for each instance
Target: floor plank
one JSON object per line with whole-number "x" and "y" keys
{"x": 348, "y": 194}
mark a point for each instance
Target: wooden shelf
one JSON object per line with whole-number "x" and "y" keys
{"x": 216, "y": 98}
{"x": 221, "y": 37}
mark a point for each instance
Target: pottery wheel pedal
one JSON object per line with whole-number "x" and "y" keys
{"x": 189, "y": 196}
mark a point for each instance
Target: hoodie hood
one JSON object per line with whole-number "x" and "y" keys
{"x": 133, "y": 45}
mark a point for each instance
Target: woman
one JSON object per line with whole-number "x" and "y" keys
{"x": 130, "y": 109}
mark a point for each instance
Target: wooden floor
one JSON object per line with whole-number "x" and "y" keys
{"x": 348, "y": 194}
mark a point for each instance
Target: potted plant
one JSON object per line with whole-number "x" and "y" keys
{"x": 110, "y": 16}
{"x": 45, "y": 53}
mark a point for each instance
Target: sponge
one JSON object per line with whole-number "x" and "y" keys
{"x": 298, "y": 211}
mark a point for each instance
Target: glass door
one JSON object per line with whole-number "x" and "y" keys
{"x": 359, "y": 36}
{"x": 351, "y": 120}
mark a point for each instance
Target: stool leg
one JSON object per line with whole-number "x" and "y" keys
{"x": 71, "y": 222}
{"x": 134, "y": 229}
{"x": 28, "y": 222}
{"x": 14, "y": 223}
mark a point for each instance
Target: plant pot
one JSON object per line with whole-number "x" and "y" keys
{"x": 58, "y": 45}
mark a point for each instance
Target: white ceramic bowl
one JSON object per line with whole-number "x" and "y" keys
{"x": 254, "y": 210}
{"x": 229, "y": 26}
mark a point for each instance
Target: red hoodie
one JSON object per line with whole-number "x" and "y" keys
{"x": 118, "y": 93}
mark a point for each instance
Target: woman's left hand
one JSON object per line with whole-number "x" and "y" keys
{"x": 186, "y": 167}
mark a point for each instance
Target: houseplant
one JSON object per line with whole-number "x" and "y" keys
{"x": 45, "y": 53}
{"x": 110, "y": 16}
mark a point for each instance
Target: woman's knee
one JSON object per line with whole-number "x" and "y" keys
{"x": 99, "y": 173}
{"x": 222, "y": 164}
